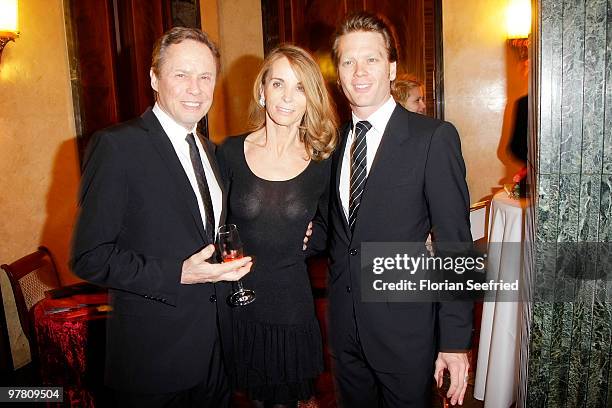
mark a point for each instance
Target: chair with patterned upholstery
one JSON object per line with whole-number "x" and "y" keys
{"x": 6, "y": 358}
{"x": 30, "y": 277}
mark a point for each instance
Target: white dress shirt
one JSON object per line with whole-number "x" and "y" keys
{"x": 177, "y": 134}
{"x": 378, "y": 120}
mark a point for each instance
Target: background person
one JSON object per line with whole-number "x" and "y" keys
{"x": 408, "y": 92}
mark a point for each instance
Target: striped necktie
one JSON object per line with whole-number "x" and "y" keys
{"x": 198, "y": 168}
{"x": 359, "y": 173}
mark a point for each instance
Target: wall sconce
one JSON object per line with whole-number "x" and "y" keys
{"x": 8, "y": 22}
{"x": 518, "y": 26}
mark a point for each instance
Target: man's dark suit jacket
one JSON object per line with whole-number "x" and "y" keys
{"x": 416, "y": 184}
{"x": 139, "y": 220}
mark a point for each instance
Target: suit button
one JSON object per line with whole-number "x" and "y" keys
{"x": 348, "y": 289}
{"x": 213, "y": 298}
{"x": 353, "y": 251}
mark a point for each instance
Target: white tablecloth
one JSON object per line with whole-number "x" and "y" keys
{"x": 498, "y": 353}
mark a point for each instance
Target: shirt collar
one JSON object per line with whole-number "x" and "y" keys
{"x": 175, "y": 132}
{"x": 380, "y": 117}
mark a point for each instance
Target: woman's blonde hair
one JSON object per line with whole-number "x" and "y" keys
{"x": 401, "y": 87}
{"x": 318, "y": 128}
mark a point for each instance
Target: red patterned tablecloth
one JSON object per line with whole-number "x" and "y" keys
{"x": 70, "y": 336}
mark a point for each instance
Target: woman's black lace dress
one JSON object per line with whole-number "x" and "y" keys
{"x": 277, "y": 340}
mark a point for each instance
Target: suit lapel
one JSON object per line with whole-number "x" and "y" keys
{"x": 164, "y": 147}
{"x": 338, "y": 167}
{"x": 393, "y": 136}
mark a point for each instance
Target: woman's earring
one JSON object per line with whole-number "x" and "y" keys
{"x": 262, "y": 101}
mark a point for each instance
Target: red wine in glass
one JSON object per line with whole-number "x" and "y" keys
{"x": 232, "y": 255}
{"x": 230, "y": 247}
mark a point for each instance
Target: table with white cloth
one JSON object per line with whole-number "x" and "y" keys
{"x": 498, "y": 353}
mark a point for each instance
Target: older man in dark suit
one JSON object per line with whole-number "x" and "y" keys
{"x": 397, "y": 176}
{"x": 150, "y": 201}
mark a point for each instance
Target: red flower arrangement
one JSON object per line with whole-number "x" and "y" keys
{"x": 517, "y": 190}
{"x": 518, "y": 177}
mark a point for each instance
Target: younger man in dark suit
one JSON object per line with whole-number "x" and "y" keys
{"x": 397, "y": 176}
{"x": 150, "y": 201}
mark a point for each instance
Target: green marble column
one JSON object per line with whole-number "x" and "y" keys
{"x": 566, "y": 351}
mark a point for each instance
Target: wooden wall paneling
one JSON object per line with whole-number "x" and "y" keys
{"x": 286, "y": 30}
{"x": 141, "y": 22}
{"x": 406, "y": 18}
{"x": 352, "y": 6}
{"x": 181, "y": 13}
{"x": 109, "y": 45}
{"x": 270, "y": 24}
{"x": 297, "y": 8}
{"x": 92, "y": 27}
{"x": 126, "y": 70}
{"x": 438, "y": 74}
{"x": 311, "y": 24}
{"x": 167, "y": 6}
{"x": 148, "y": 26}
{"x": 321, "y": 20}
{"x": 429, "y": 55}
{"x": 418, "y": 25}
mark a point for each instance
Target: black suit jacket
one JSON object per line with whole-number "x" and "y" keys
{"x": 416, "y": 184}
{"x": 139, "y": 220}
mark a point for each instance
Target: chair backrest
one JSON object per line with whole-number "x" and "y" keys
{"x": 479, "y": 220}
{"x": 6, "y": 358}
{"x": 30, "y": 277}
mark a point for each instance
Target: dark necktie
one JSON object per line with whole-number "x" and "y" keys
{"x": 359, "y": 174}
{"x": 196, "y": 162}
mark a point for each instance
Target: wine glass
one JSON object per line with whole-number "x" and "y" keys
{"x": 230, "y": 248}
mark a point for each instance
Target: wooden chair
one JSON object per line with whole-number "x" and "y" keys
{"x": 6, "y": 359}
{"x": 30, "y": 277}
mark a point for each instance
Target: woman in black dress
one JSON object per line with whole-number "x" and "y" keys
{"x": 278, "y": 180}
